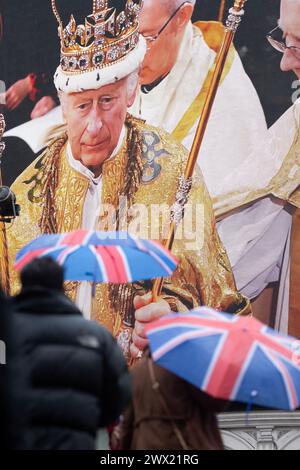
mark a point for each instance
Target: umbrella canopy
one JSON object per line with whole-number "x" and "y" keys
{"x": 229, "y": 357}
{"x": 115, "y": 257}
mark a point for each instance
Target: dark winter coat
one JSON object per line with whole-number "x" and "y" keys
{"x": 77, "y": 378}
{"x": 5, "y": 374}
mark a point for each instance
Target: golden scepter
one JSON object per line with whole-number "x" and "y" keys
{"x": 221, "y": 10}
{"x": 232, "y": 23}
{"x": 4, "y": 258}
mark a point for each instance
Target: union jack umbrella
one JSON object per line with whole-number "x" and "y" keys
{"x": 115, "y": 257}
{"x": 229, "y": 357}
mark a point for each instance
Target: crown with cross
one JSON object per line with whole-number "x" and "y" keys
{"x": 106, "y": 37}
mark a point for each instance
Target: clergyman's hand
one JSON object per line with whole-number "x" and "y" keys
{"x": 146, "y": 311}
{"x": 17, "y": 93}
{"x": 42, "y": 107}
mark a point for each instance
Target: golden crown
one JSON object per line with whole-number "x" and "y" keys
{"x": 105, "y": 38}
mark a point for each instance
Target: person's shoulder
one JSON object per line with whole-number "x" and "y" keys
{"x": 211, "y": 31}
{"x": 90, "y": 327}
{"x": 98, "y": 338}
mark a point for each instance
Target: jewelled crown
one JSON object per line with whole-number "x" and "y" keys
{"x": 106, "y": 37}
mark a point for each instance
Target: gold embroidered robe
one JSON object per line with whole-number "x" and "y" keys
{"x": 51, "y": 194}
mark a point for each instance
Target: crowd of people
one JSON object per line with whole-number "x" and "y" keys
{"x": 128, "y": 92}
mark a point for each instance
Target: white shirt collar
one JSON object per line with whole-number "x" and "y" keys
{"x": 83, "y": 170}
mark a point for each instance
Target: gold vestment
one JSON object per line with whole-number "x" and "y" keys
{"x": 146, "y": 170}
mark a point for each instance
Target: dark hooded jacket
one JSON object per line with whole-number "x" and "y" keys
{"x": 77, "y": 378}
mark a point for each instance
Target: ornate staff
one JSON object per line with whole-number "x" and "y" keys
{"x": 234, "y": 19}
{"x": 221, "y": 10}
{"x": 4, "y": 257}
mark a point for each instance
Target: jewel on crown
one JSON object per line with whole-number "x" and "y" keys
{"x": 104, "y": 37}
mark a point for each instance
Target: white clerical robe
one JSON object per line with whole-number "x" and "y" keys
{"x": 262, "y": 231}
{"x": 237, "y": 122}
{"x": 236, "y": 153}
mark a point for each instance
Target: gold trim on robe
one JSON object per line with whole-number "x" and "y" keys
{"x": 204, "y": 275}
{"x": 284, "y": 185}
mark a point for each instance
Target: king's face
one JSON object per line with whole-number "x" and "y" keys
{"x": 94, "y": 122}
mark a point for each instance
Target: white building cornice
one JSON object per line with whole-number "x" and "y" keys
{"x": 261, "y": 430}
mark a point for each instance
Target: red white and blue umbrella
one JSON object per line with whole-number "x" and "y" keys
{"x": 115, "y": 257}
{"x": 229, "y": 357}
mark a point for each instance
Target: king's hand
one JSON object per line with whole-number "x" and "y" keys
{"x": 146, "y": 311}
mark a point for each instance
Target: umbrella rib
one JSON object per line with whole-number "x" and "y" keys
{"x": 108, "y": 255}
{"x": 273, "y": 344}
{"x": 65, "y": 253}
{"x": 164, "y": 251}
{"x": 242, "y": 371}
{"x": 141, "y": 247}
{"x": 189, "y": 320}
{"x": 87, "y": 237}
{"x": 161, "y": 262}
{"x": 126, "y": 266}
{"x": 100, "y": 261}
{"x": 288, "y": 383}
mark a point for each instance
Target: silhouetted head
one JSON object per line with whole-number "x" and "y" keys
{"x": 43, "y": 272}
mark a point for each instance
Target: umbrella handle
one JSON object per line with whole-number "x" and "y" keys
{"x": 134, "y": 360}
{"x": 157, "y": 288}
{"x": 94, "y": 289}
